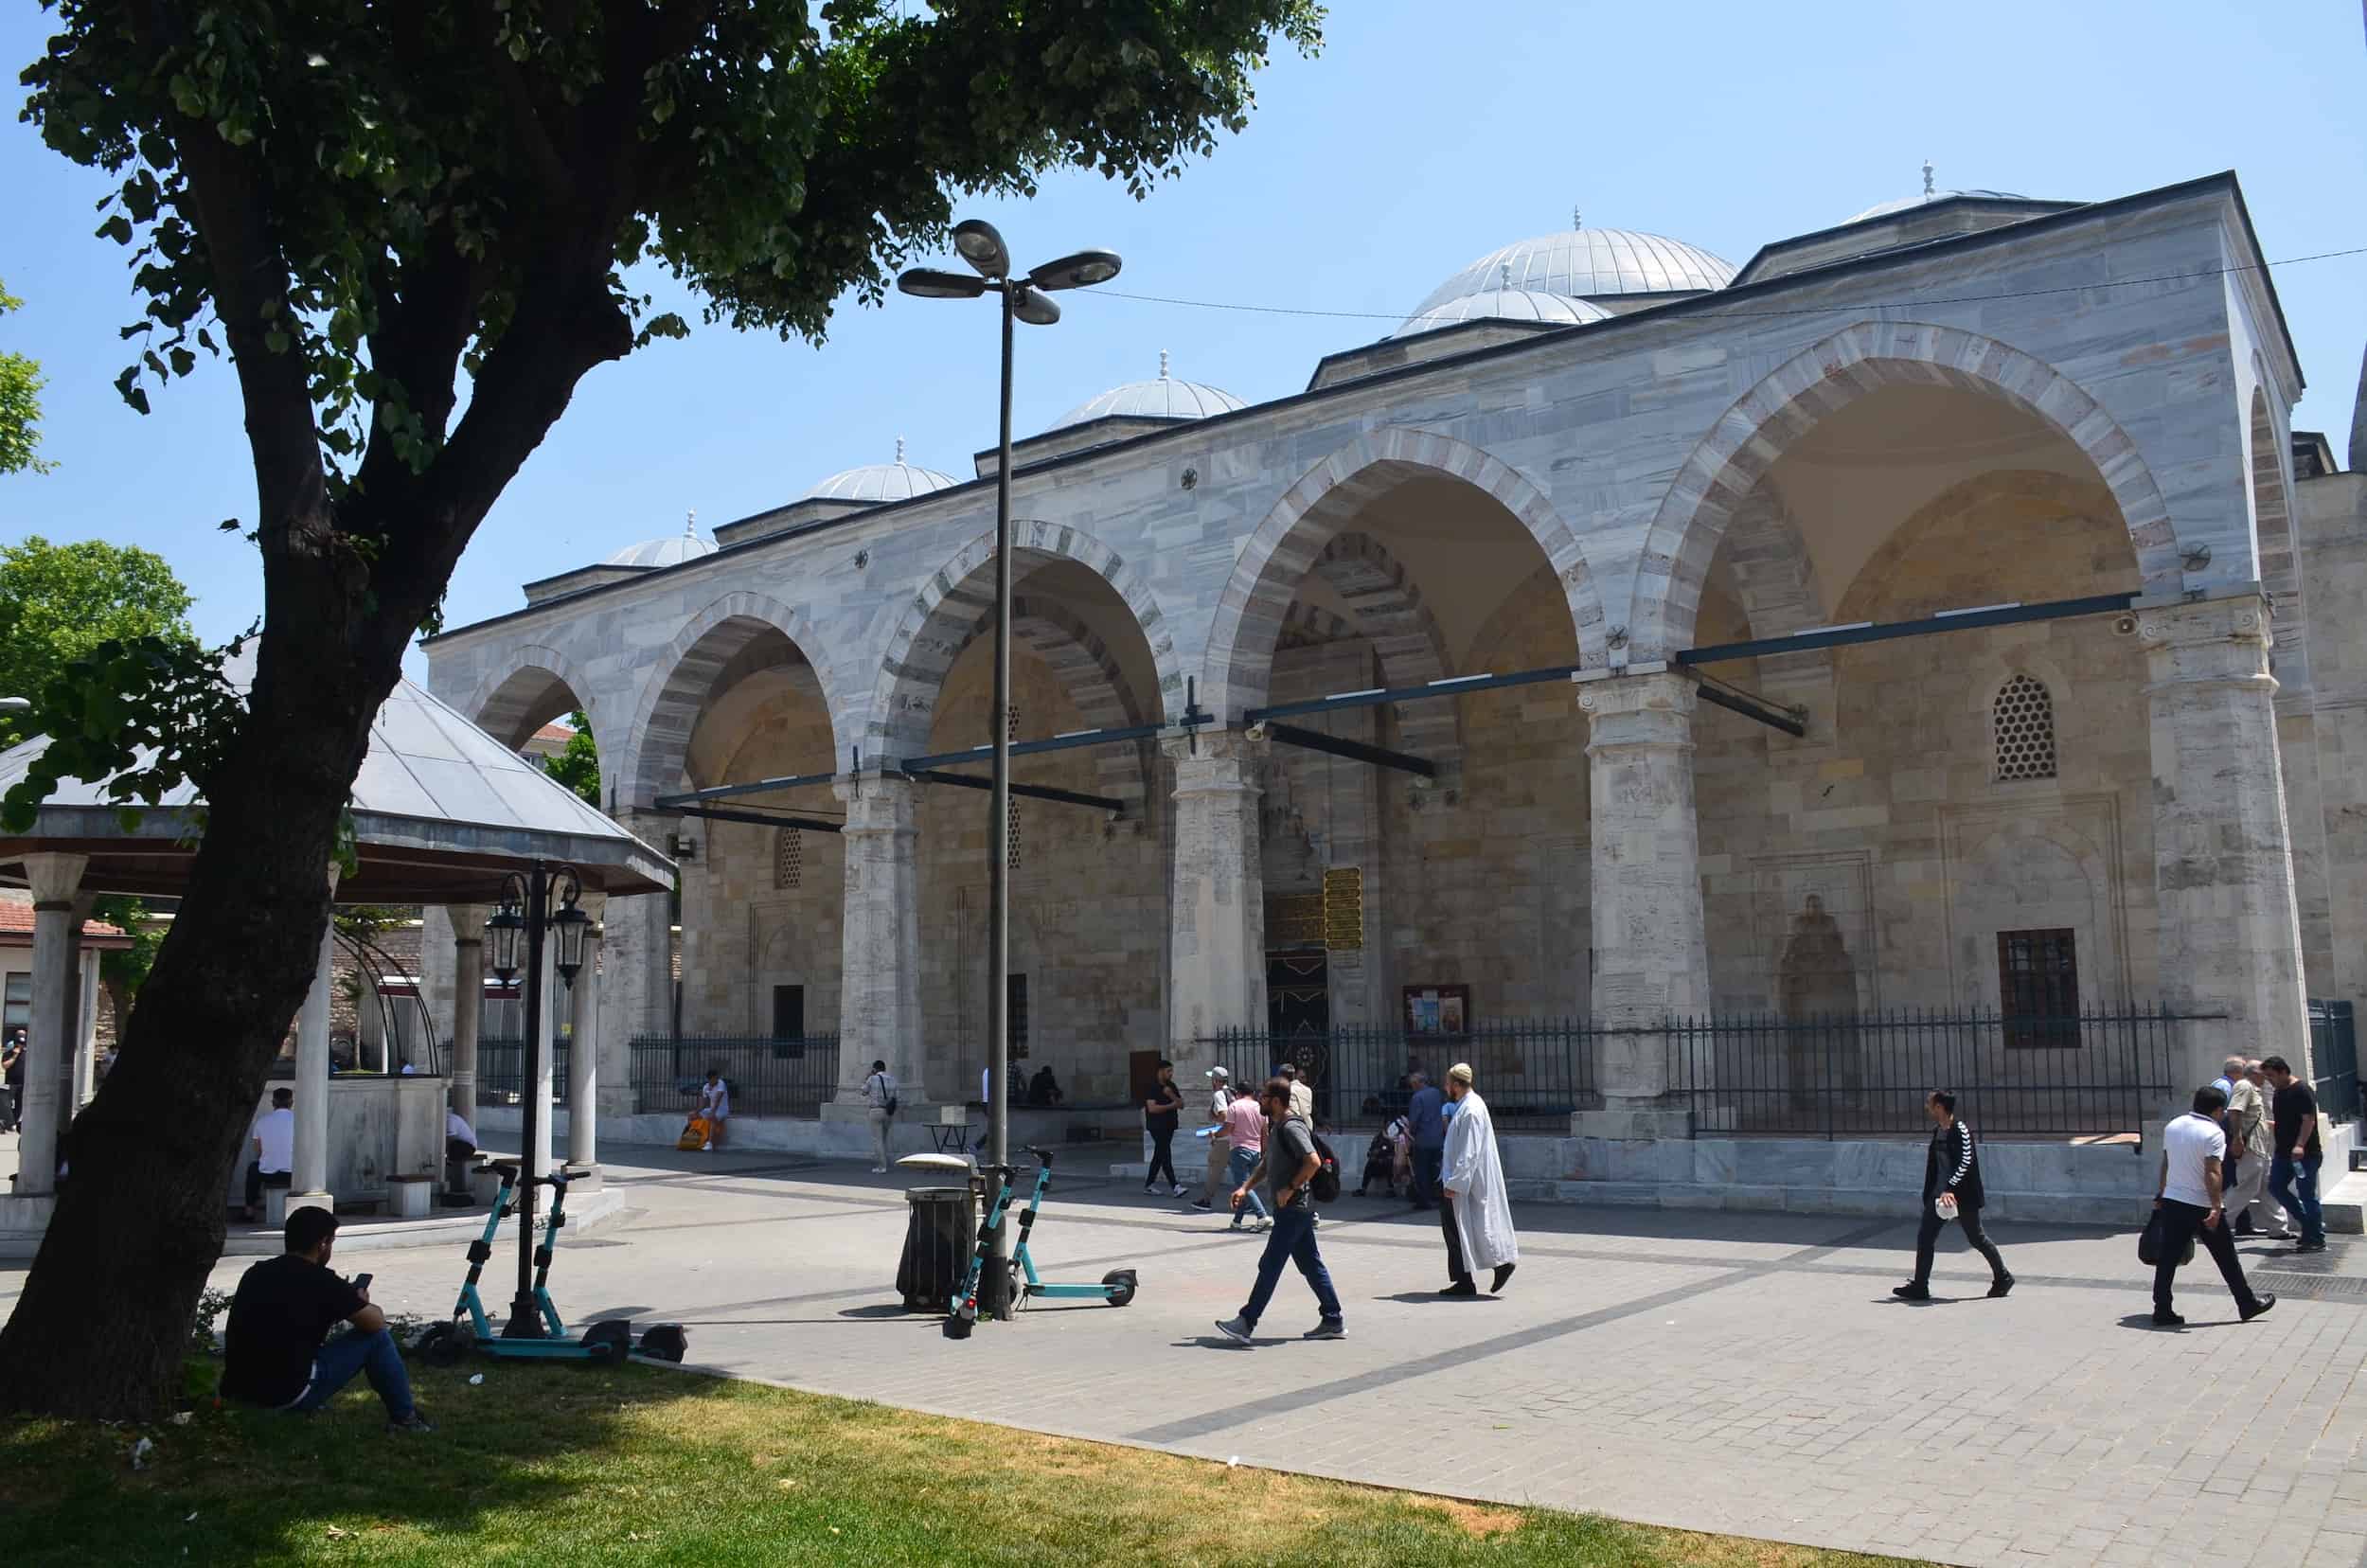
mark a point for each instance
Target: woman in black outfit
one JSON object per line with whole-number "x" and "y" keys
{"x": 1159, "y": 1118}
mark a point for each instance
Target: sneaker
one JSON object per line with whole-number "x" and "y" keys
{"x": 1200, "y": 1203}
{"x": 1265, "y": 1221}
{"x": 412, "y": 1422}
{"x": 1496, "y": 1286}
{"x": 1460, "y": 1287}
{"x": 1180, "y": 1190}
{"x": 2167, "y": 1320}
{"x": 1326, "y": 1329}
{"x": 1998, "y": 1287}
{"x": 1233, "y": 1329}
{"x": 1912, "y": 1291}
{"x": 1149, "y": 1191}
{"x": 2317, "y": 1246}
{"x": 2265, "y": 1300}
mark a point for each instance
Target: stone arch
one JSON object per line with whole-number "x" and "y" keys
{"x": 1387, "y": 610}
{"x": 515, "y": 698}
{"x": 684, "y": 675}
{"x": 1292, "y": 539}
{"x": 1729, "y": 461}
{"x": 958, "y": 599}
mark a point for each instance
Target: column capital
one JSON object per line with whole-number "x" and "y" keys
{"x": 468, "y": 922}
{"x": 1229, "y": 748}
{"x": 1639, "y": 710}
{"x": 2208, "y": 642}
{"x": 54, "y": 877}
{"x": 877, "y": 803}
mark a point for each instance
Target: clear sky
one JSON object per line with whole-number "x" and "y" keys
{"x": 1425, "y": 135}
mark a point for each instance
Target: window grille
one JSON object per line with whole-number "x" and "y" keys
{"x": 2024, "y": 720}
{"x": 2037, "y": 987}
{"x": 789, "y": 859}
{"x": 1010, "y": 825}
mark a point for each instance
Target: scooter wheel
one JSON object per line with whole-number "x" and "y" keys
{"x": 609, "y": 1341}
{"x": 958, "y": 1327}
{"x": 665, "y": 1341}
{"x": 443, "y": 1346}
{"x": 1121, "y": 1284}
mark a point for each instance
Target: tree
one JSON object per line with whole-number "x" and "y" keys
{"x": 578, "y": 765}
{"x": 62, "y": 602}
{"x": 19, "y": 405}
{"x": 361, "y": 203}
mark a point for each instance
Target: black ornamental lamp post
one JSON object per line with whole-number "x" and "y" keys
{"x": 1021, "y": 298}
{"x": 513, "y": 940}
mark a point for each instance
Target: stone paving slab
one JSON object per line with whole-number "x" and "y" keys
{"x": 1748, "y": 1374}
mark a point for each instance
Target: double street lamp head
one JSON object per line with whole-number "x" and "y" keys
{"x": 982, "y": 247}
{"x": 505, "y": 932}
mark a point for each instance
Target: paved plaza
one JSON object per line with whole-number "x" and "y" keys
{"x": 1748, "y": 1374}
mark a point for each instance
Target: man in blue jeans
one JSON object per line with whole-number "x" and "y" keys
{"x": 1288, "y": 1163}
{"x": 2293, "y": 1172}
{"x": 273, "y": 1353}
{"x": 1425, "y": 1126}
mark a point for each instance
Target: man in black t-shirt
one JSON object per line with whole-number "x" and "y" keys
{"x": 273, "y": 1353}
{"x": 2293, "y": 1168}
{"x": 1289, "y": 1163}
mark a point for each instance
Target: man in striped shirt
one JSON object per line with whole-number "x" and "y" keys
{"x": 1951, "y": 1167}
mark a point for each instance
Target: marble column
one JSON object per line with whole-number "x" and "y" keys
{"x": 534, "y": 1074}
{"x": 583, "y": 1061}
{"x": 879, "y": 1015}
{"x": 1652, "y": 959}
{"x": 467, "y": 1003}
{"x": 636, "y": 994}
{"x": 54, "y": 880}
{"x": 308, "y": 1180}
{"x": 1217, "y": 924}
{"x": 86, "y": 1014}
{"x": 2222, "y": 848}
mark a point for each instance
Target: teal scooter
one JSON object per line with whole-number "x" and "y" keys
{"x": 607, "y": 1341}
{"x": 1116, "y": 1286}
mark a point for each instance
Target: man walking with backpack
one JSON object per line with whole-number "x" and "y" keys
{"x": 879, "y": 1095}
{"x": 1291, "y": 1165}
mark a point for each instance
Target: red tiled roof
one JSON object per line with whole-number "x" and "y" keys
{"x": 16, "y": 919}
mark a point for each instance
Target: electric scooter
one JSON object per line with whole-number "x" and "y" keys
{"x": 1116, "y": 1286}
{"x": 607, "y": 1341}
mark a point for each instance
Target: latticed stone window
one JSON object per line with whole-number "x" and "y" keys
{"x": 788, "y": 858}
{"x": 2024, "y": 719}
{"x": 1010, "y": 826}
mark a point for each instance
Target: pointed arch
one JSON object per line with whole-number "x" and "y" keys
{"x": 1291, "y": 540}
{"x": 1387, "y": 609}
{"x": 1729, "y": 461}
{"x": 518, "y": 694}
{"x": 684, "y": 676}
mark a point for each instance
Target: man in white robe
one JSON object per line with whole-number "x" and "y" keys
{"x": 1473, "y": 1211}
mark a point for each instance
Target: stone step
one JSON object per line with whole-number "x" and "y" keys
{"x": 2345, "y": 1204}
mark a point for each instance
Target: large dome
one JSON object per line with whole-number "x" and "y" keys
{"x": 670, "y": 551}
{"x": 1503, "y": 305}
{"x": 1582, "y": 261}
{"x": 880, "y": 482}
{"x": 1163, "y": 399}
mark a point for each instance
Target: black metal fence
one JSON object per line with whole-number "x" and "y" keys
{"x": 2099, "y": 1072}
{"x": 1532, "y": 1072}
{"x": 768, "y": 1077}
{"x": 2334, "y": 1059}
{"x": 500, "y": 1064}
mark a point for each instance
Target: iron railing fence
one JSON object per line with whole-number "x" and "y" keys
{"x": 499, "y": 1064}
{"x": 768, "y": 1077}
{"x": 1532, "y": 1072}
{"x": 2334, "y": 1059}
{"x": 2102, "y": 1070}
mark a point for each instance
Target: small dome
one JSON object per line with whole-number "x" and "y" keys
{"x": 1163, "y": 399}
{"x": 1579, "y": 262}
{"x": 670, "y": 551}
{"x": 1503, "y": 305}
{"x": 875, "y": 483}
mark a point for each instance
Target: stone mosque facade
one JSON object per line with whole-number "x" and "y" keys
{"x": 1603, "y": 455}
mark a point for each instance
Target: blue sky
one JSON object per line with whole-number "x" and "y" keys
{"x": 1424, "y": 136}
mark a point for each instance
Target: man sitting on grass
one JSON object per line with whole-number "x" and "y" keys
{"x": 273, "y": 1353}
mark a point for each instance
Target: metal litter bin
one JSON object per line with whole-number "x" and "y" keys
{"x": 940, "y": 1233}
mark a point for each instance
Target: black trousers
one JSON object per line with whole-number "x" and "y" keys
{"x": 1928, "y": 1237}
{"x": 1456, "y": 1269}
{"x": 2182, "y": 1222}
{"x": 258, "y": 1179}
{"x": 1162, "y": 1156}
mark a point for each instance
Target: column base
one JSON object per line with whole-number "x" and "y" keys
{"x": 582, "y": 1180}
{"x": 1633, "y": 1120}
{"x": 310, "y": 1200}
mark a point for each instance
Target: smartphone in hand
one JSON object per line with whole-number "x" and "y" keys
{"x": 362, "y": 1281}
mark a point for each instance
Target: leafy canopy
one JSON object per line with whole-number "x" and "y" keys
{"x": 19, "y": 405}
{"x": 577, "y": 764}
{"x": 63, "y": 603}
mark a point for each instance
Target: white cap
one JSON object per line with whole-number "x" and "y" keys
{"x": 1219, "y": 1072}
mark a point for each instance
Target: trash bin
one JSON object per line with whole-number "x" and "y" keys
{"x": 940, "y": 1233}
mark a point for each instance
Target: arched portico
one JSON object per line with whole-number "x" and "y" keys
{"x": 533, "y": 685}
{"x": 683, "y": 677}
{"x": 1728, "y": 463}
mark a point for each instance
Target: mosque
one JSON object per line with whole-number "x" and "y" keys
{"x": 1660, "y": 677}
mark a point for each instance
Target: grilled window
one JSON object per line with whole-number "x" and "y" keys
{"x": 2023, "y": 720}
{"x": 789, "y": 859}
{"x": 2038, "y": 988}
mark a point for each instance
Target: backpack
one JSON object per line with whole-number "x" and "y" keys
{"x": 887, "y": 1095}
{"x": 1325, "y": 1188}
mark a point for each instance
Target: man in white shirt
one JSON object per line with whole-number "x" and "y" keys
{"x": 271, "y": 1147}
{"x": 459, "y": 1148}
{"x": 878, "y": 1092}
{"x": 1220, "y": 1147}
{"x": 2193, "y": 1151}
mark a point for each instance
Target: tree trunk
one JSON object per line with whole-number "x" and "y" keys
{"x": 105, "y": 1315}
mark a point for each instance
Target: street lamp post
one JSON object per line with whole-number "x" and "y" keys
{"x": 1021, "y": 298}
{"x": 513, "y": 936}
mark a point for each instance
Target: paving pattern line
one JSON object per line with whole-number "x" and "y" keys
{"x": 1303, "y": 1399}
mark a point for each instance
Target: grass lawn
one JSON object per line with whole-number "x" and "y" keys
{"x": 552, "y": 1464}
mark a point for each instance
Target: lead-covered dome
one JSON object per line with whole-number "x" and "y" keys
{"x": 1163, "y": 399}
{"x": 1503, "y": 305}
{"x": 877, "y": 483}
{"x": 1580, "y": 262}
{"x": 670, "y": 551}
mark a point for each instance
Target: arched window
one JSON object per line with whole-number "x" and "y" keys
{"x": 2022, "y": 719}
{"x": 789, "y": 859}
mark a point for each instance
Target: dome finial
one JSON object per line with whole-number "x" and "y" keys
{"x": 1163, "y": 365}
{"x": 690, "y": 524}
{"x": 1926, "y": 179}
{"x": 1504, "y": 275}
{"x": 1577, "y": 220}
{"x": 900, "y": 450}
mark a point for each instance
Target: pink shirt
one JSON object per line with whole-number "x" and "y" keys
{"x": 1245, "y": 1124}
